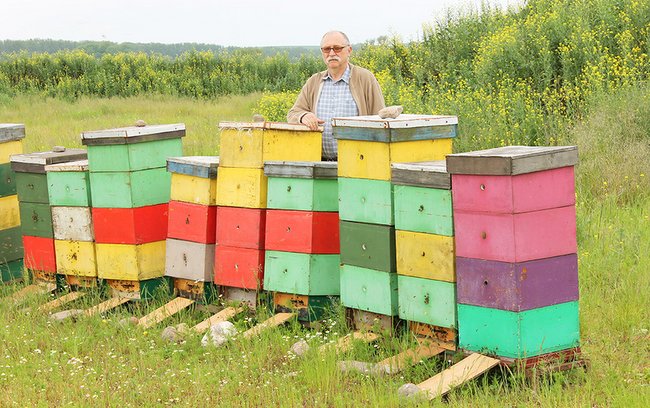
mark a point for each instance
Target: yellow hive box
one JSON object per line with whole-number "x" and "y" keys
{"x": 9, "y": 213}
{"x": 75, "y": 258}
{"x": 251, "y": 144}
{"x": 9, "y": 148}
{"x": 426, "y": 256}
{"x": 372, "y": 160}
{"x": 192, "y": 189}
{"x": 241, "y": 187}
{"x": 130, "y": 262}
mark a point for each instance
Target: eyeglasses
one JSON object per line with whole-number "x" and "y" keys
{"x": 336, "y": 49}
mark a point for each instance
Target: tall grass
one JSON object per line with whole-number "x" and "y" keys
{"x": 50, "y": 121}
{"x": 98, "y": 361}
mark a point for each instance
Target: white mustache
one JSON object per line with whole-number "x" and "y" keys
{"x": 333, "y": 59}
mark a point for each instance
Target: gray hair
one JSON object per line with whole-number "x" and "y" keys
{"x": 335, "y": 31}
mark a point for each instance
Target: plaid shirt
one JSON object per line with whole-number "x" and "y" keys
{"x": 335, "y": 101}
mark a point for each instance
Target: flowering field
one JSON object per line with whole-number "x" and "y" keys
{"x": 556, "y": 72}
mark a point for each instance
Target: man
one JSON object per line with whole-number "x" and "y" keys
{"x": 342, "y": 90}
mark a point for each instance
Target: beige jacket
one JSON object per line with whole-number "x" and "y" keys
{"x": 363, "y": 86}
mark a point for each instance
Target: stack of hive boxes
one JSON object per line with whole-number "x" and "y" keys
{"x": 515, "y": 223}
{"x": 367, "y": 145}
{"x": 130, "y": 189}
{"x": 35, "y": 212}
{"x": 424, "y": 240}
{"x": 11, "y": 247}
{"x": 302, "y": 237}
{"x": 242, "y": 194}
{"x": 74, "y": 237}
{"x": 192, "y": 225}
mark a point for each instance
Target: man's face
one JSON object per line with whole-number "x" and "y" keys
{"x": 333, "y": 59}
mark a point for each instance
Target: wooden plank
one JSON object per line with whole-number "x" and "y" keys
{"x": 346, "y": 342}
{"x": 301, "y": 169}
{"x": 49, "y": 306}
{"x": 512, "y": 160}
{"x": 133, "y": 134}
{"x": 36, "y": 162}
{"x": 432, "y": 174}
{"x": 31, "y": 290}
{"x": 401, "y": 122}
{"x": 465, "y": 370}
{"x": 222, "y": 316}
{"x": 395, "y": 364}
{"x": 266, "y": 125}
{"x": 269, "y": 323}
{"x": 169, "y": 309}
{"x": 198, "y": 166}
{"x": 79, "y": 165}
{"x": 11, "y": 131}
{"x": 104, "y": 307}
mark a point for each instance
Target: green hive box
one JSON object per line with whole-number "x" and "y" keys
{"x": 368, "y": 245}
{"x": 425, "y": 210}
{"x": 364, "y": 200}
{"x": 370, "y": 290}
{"x": 304, "y": 186}
{"x": 11, "y": 244}
{"x": 11, "y": 270}
{"x": 302, "y": 274}
{"x": 7, "y": 180}
{"x": 130, "y": 189}
{"x": 519, "y": 334}
{"x": 69, "y": 184}
{"x": 36, "y": 220}
{"x": 32, "y": 188}
{"x": 422, "y": 192}
{"x": 427, "y": 301}
{"x": 133, "y": 148}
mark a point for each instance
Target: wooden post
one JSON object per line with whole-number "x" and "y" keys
{"x": 273, "y": 321}
{"x": 169, "y": 309}
{"x": 223, "y": 315}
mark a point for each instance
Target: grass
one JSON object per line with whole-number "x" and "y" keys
{"x": 50, "y": 122}
{"x": 99, "y": 362}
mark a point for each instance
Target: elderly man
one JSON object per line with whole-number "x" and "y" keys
{"x": 342, "y": 90}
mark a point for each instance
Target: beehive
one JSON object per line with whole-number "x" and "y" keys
{"x": 242, "y": 189}
{"x": 514, "y": 217}
{"x": 424, "y": 240}
{"x": 192, "y": 223}
{"x": 74, "y": 236}
{"x": 11, "y": 247}
{"x": 367, "y": 146}
{"x": 302, "y": 241}
{"x": 35, "y": 211}
{"x": 130, "y": 190}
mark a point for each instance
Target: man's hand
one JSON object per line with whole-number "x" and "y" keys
{"x": 311, "y": 121}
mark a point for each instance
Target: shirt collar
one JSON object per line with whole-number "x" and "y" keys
{"x": 345, "y": 77}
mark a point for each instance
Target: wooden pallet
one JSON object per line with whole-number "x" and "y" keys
{"x": 221, "y": 316}
{"x": 169, "y": 309}
{"x": 274, "y": 321}
{"x": 105, "y": 306}
{"x": 465, "y": 370}
{"x": 31, "y": 290}
{"x": 395, "y": 364}
{"x": 346, "y": 342}
{"x": 56, "y": 303}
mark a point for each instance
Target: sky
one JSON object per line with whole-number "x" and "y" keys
{"x": 241, "y": 23}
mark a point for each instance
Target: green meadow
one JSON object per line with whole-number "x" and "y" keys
{"x": 97, "y": 361}
{"x": 555, "y": 72}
